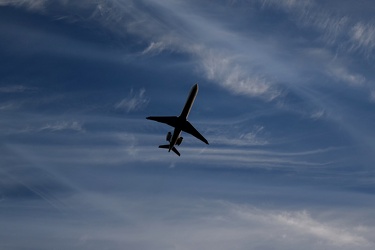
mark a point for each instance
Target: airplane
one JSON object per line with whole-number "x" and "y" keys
{"x": 180, "y": 123}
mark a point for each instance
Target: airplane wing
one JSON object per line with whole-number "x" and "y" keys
{"x": 170, "y": 120}
{"x": 188, "y": 128}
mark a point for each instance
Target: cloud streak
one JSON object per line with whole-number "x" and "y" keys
{"x": 15, "y": 89}
{"x": 185, "y": 224}
{"x": 134, "y": 101}
{"x": 63, "y": 125}
{"x": 337, "y": 26}
{"x": 234, "y": 60}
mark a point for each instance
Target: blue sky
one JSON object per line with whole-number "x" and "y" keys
{"x": 286, "y": 100}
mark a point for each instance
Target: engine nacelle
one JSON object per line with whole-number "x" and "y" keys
{"x": 169, "y": 136}
{"x": 179, "y": 141}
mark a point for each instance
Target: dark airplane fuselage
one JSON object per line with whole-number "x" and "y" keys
{"x": 183, "y": 116}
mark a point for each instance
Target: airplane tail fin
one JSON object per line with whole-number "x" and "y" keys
{"x": 173, "y": 149}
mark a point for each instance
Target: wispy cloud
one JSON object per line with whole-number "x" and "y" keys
{"x": 302, "y": 224}
{"x": 155, "y": 48}
{"x": 192, "y": 221}
{"x": 64, "y": 125}
{"x": 234, "y": 60}
{"x": 15, "y": 89}
{"x": 183, "y": 224}
{"x": 189, "y": 222}
{"x": 127, "y": 142}
{"x": 372, "y": 95}
{"x": 363, "y": 37}
{"x": 8, "y": 106}
{"x": 29, "y": 4}
{"x": 134, "y": 101}
{"x": 318, "y": 114}
{"x": 255, "y": 136}
{"x": 337, "y": 27}
{"x": 342, "y": 74}
{"x": 205, "y": 41}
{"x": 228, "y": 72}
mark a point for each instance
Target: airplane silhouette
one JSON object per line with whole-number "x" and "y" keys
{"x": 180, "y": 123}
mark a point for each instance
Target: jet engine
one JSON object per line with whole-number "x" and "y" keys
{"x": 169, "y": 136}
{"x": 179, "y": 141}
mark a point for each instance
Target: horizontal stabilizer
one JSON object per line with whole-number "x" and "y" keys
{"x": 173, "y": 149}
